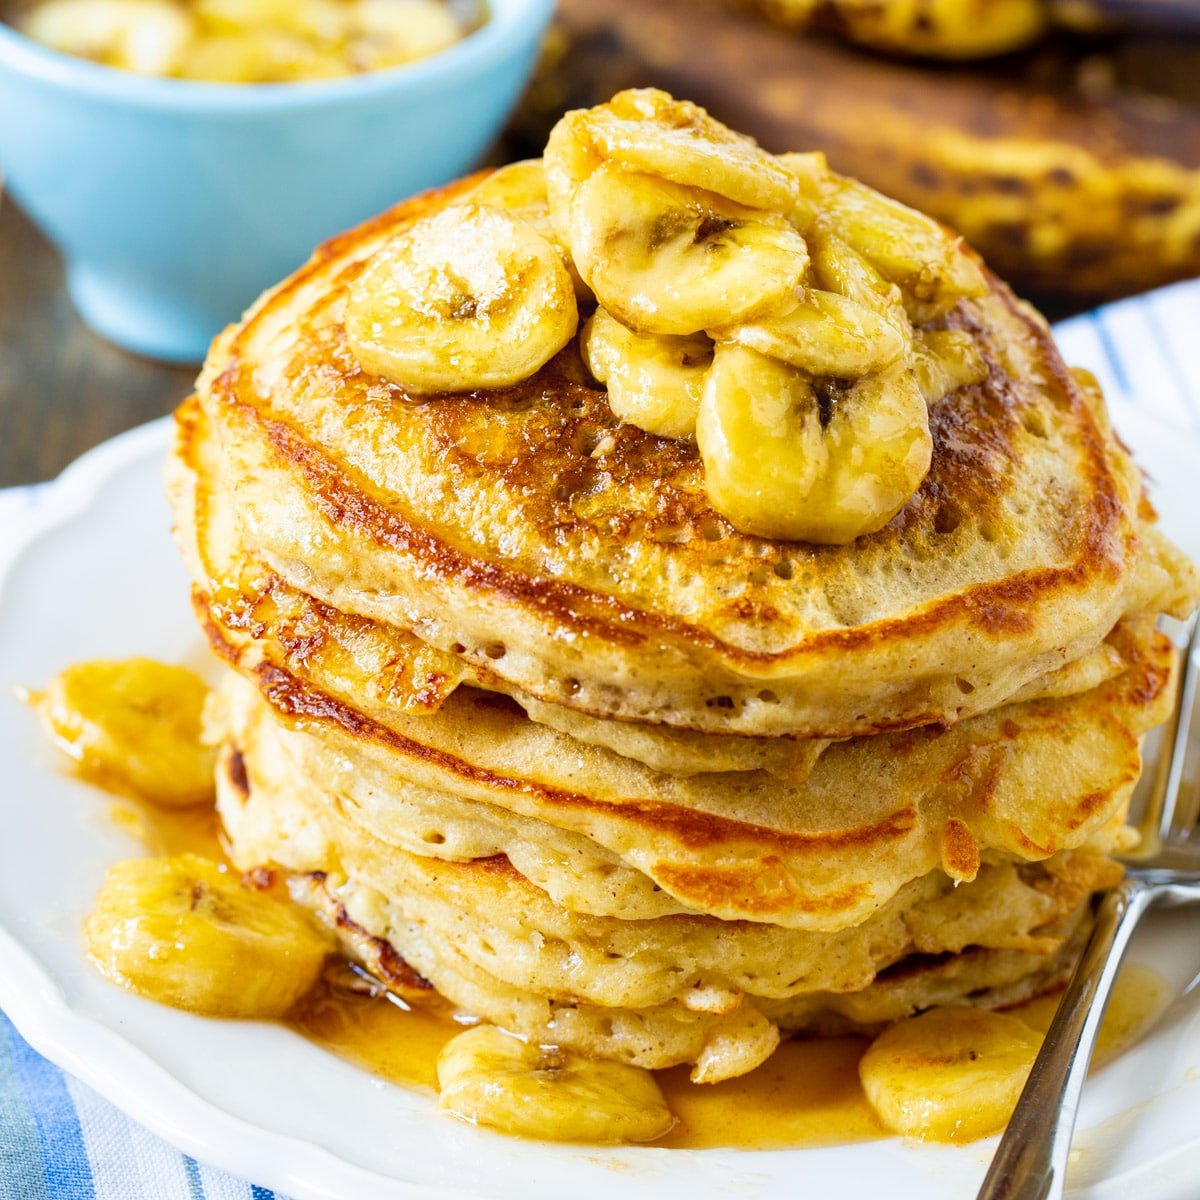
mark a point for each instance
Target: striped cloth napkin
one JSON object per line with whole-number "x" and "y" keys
{"x": 60, "y": 1141}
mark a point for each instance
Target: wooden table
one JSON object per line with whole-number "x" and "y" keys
{"x": 62, "y": 388}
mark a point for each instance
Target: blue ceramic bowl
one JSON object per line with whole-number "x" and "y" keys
{"x": 175, "y": 203}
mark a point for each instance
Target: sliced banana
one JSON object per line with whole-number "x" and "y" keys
{"x": 146, "y": 36}
{"x": 388, "y": 33}
{"x": 786, "y": 458}
{"x": 323, "y": 21}
{"x": 259, "y": 56}
{"x": 489, "y": 1077}
{"x": 951, "y": 1074}
{"x": 912, "y": 250}
{"x": 646, "y": 131}
{"x": 838, "y": 268}
{"x": 663, "y": 258}
{"x": 825, "y": 334}
{"x": 520, "y": 189}
{"x": 810, "y": 170}
{"x": 946, "y": 360}
{"x": 471, "y": 297}
{"x": 654, "y": 381}
{"x": 133, "y": 725}
{"x": 185, "y": 932}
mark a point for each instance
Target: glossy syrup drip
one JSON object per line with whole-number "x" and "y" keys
{"x": 171, "y": 831}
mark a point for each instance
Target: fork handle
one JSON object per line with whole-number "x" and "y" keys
{"x": 1031, "y": 1160}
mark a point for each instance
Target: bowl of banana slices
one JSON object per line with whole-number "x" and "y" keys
{"x": 182, "y": 154}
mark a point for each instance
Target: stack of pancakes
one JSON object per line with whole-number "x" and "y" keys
{"x": 534, "y": 727}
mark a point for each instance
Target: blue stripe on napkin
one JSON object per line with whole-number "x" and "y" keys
{"x": 65, "y": 1167}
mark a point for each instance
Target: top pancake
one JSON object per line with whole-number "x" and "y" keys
{"x": 530, "y": 532}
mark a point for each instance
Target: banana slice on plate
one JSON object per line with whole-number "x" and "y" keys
{"x": 489, "y": 1077}
{"x": 825, "y": 334}
{"x": 187, "y": 933}
{"x": 663, "y": 258}
{"x": 654, "y": 381}
{"x": 472, "y": 297}
{"x": 133, "y": 726}
{"x": 951, "y": 1074}
{"x": 786, "y": 456}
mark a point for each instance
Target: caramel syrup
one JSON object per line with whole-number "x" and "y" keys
{"x": 806, "y": 1094}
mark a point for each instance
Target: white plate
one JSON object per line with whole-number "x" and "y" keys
{"x": 94, "y": 574}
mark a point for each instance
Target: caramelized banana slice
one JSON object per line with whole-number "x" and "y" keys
{"x": 951, "y": 1074}
{"x": 663, "y": 258}
{"x": 648, "y": 132}
{"x": 133, "y": 726}
{"x": 146, "y": 36}
{"x": 654, "y": 380}
{"x": 786, "y": 458}
{"x": 825, "y": 334}
{"x": 471, "y": 297}
{"x": 186, "y": 933}
{"x": 946, "y": 360}
{"x": 912, "y": 250}
{"x": 489, "y": 1077}
{"x": 520, "y": 189}
{"x": 838, "y": 268}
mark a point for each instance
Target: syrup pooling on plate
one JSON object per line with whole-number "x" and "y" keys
{"x": 250, "y": 41}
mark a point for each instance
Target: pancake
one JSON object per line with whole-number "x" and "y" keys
{"x": 479, "y": 926}
{"x": 533, "y": 535}
{"x": 236, "y": 591}
{"x": 405, "y": 672}
{"x": 1024, "y": 780}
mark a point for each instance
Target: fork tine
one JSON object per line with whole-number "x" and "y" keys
{"x": 1163, "y": 819}
{"x": 1181, "y": 807}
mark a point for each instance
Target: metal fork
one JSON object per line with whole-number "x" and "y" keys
{"x": 1031, "y": 1160}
